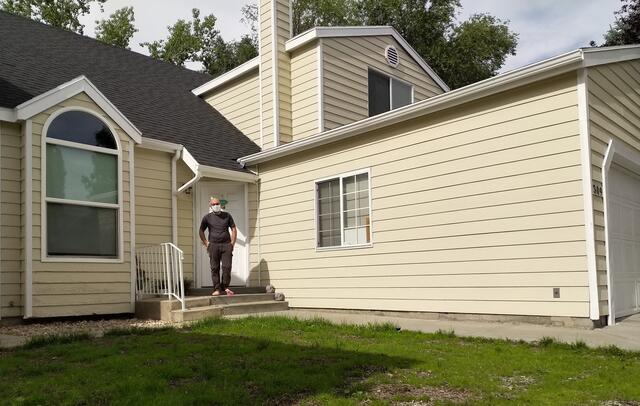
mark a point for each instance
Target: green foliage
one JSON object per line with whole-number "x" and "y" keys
{"x": 626, "y": 28}
{"x": 118, "y": 29}
{"x": 58, "y": 13}
{"x": 198, "y": 40}
{"x": 278, "y": 360}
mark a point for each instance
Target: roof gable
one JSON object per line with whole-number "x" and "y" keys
{"x": 67, "y": 90}
{"x": 365, "y": 31}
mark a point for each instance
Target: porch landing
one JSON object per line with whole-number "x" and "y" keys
{"x": 199, "y": 304}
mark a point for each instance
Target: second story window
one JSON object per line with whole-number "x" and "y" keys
{"x": 387, "y": 93}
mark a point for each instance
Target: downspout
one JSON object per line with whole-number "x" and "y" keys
{"x": 258, "y": 184}
{"x": 28, "y": 219}
{"x": 0, "y": 221}
{"x": 174, "y": 197}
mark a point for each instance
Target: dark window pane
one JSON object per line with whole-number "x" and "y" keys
{"x": 81, "y": 231}
{"x": 378, "y": 93}
{"x": 401, "y": 94}
{"x": 81, "y": 127}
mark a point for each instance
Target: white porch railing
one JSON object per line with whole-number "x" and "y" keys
{"x": 159, "y": 272}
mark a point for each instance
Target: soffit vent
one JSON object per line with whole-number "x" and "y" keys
{"x": 391, "y": 53}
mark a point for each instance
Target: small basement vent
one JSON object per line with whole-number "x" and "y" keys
{"x": 391, "y": 53}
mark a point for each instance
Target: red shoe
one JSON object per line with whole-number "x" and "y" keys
{"x": 229, "y": 292}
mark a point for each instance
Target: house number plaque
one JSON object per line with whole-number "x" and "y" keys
{"x": 596, "y": 189}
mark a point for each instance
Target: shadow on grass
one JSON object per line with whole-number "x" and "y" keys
{"x": 199, "y": 365}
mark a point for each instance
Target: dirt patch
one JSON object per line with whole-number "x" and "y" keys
{"x": 620, "y": 403}
{"x": 403, "y": 394}
{"x": 520, "y": 382}
{"x": 93, "y": 327}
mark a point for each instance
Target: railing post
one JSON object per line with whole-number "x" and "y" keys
{"x": 165, "y": 250}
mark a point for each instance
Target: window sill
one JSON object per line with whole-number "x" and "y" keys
{"x": 83, "y": 260}
{"x": 345, "y": 247}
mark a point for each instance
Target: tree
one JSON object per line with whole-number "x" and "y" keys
{"x": 626, "y": 28}
{"x": 118, "y": 28}
{"x": 199, "y": 41}
{"x": 58, "y": 13}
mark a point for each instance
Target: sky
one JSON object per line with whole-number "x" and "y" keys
{"x": 545, "y": 27}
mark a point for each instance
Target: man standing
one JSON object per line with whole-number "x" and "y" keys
{"x": 219, "y": 245}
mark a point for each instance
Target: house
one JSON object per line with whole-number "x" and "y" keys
{"x": 358, "y": 179}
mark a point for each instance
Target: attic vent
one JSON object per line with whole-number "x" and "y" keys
{"x": 391, "y": 53}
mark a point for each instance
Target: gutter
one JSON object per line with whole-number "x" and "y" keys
{"x": 518, "y": 77}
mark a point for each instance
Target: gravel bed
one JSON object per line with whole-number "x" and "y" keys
{"x": 93, "y": 327}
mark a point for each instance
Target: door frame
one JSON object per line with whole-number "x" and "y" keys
{"x": 619, "y": 153}
{"x": 197, "y": 192}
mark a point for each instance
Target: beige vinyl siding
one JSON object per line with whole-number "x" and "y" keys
{"x": 267, "y": 60}
{"x": 304, "y": 90}
{"x": 345, "y": 73}
{"x": 284, "y": 70}
{"x": 11, "y": 276}
{"x": 239, "y": 102}
{"x": 266, "y": 73}
{"x": 477, "y": 209}
{"x": 614, "y": 112}
{"x": 153, "y": 197}
{"x": 79, "y": 288}
{"x": 186, "y": 231}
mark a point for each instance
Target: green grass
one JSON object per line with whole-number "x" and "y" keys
{"x": 283, "y": 361}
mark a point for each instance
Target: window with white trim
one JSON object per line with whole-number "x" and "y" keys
{"x": 387, "y": 93}
{"x": 82, "y": 187}
{"x": 344, "y": 210}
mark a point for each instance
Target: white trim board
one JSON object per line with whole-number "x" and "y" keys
{"x": 587, "y": 194}
{"x": 234, "y": 73}
{"x": 8, "y": 115}
{"x": 365, "y": 31}
{"x": 516, "y": 78}
{"x": 28, "y": 219}
{"x": 66, "y": 91}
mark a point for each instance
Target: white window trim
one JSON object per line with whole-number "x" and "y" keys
{"x": 316, "y": 212}
{"x": 391, "y": 79}
{"x": 43, "y": 189}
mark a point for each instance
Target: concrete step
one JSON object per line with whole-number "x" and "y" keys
{"x": 236, "y": 289}
{"x": 196, "y": 313}
{"x": 242, "y": 298}
{"x": 191, "y": 302}
{"x": 254, "y": 307}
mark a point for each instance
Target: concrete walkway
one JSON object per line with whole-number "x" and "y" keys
{"x": 625, "y": 334}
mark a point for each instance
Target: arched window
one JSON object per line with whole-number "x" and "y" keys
{"x": 82, "y": 187}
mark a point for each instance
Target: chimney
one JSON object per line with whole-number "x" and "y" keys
{"x": 275, "y": 72}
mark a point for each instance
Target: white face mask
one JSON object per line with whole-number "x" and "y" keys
{"x": 216, "y": 208}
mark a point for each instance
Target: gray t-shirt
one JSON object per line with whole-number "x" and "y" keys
{"x": 218, "y": 226}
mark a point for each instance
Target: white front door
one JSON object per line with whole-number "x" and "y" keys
{"x": 623, "y": 193}
{"x": 234, "y": 195}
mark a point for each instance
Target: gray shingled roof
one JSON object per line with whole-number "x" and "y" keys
{"x": 155, "y": 96}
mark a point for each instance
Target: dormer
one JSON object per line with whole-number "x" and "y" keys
{"x": 319, "y": 80}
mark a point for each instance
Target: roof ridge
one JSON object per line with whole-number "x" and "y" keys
{"x": 206, "y": 76}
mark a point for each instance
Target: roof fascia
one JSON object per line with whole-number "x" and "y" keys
{"x": 8, "y": 115}
{"x": 336, "y": 32}
{"x": 67, "y": 90}
{"x": 506, "y": 81}
{"x": 227, "y": 77}
{"x": 213, "y": 172}
{"x": 603, "y": 56}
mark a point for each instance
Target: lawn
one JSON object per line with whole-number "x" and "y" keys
{"x": 282, "y": 361}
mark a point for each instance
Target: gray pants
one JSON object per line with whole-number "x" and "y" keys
{"x": 220, "y": 252}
